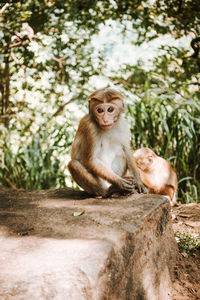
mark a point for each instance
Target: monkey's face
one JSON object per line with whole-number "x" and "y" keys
{"x": 106, "y": 115}
{"x": 144, "y": 158}
{"x": 144, "y": 163}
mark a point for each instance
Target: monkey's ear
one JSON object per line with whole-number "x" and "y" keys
{"x": 123, "y": 106}
{"x": 150, "y": 159}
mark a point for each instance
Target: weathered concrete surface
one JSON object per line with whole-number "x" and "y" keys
{"x": 118, "y": 249}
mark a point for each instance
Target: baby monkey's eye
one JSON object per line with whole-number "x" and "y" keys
{"x": 110, "y": 109}
{"x": 100, "y": 110}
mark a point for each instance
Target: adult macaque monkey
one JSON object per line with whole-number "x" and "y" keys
{"x": 101, "y": 160}
{"x": 156, "y": 174}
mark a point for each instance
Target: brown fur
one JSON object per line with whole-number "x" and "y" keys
{"x": 100, "y": 153}
{"x": 156, "y": 173}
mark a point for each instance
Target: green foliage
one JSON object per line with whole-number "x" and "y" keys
{"x": 181, "y": 15}
{"x": 35, "y": 165}
{"x": 48, "y": 40}
{"x": 47, "y": 59}
{"x": 169, "y": 124}
{"x": 187, "y": 243}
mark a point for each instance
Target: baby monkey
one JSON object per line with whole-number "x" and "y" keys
{"x": 156, "y": 174}
{"x": 101, "y": 160}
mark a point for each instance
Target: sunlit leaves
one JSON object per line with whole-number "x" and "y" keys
{"x": 52, "y": 60}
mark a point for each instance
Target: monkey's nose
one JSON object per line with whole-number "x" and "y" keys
{"x": 106, "y": 120}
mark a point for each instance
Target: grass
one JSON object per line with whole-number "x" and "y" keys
{"x": 170, "y": 125}
{"x": 35, "y": 165}
{"x": 187, "y": 243}
{"x": 159, "y": 118}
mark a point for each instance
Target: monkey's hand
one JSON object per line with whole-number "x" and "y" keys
{"x": 137, "y": 184}
{"x": 122, "y": 186}
{"x": 126, "y": 184}
{"x": 140, "y": 187}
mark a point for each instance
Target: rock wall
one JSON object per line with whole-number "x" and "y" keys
{"x": 62, "y": 245}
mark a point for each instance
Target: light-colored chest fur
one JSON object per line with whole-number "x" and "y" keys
{"x": 109, "y": 148}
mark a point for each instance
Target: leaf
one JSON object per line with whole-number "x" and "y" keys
{"x": 187, "y": 131}
{"x": 78, "y": 213}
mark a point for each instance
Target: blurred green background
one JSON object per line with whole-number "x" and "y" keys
{"x": 53, "y": 54}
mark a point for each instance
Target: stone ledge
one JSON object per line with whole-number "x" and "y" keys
{"x": 119, "y": 249}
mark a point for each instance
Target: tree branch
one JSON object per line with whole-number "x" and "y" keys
{"x": 195, "y": 44}
{"x": 66, "y": 103}
{"x": 60, "y": 63}
{"x": 3, "y": 8}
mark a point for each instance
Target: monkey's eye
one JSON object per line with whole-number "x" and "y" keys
{"x": 110, "y": 109}
{"x": 100, "y": 110}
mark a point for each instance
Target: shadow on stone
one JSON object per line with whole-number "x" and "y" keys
{"x": 122, "y": 248}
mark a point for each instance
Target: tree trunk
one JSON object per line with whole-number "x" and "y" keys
{"x": 5, "y": 90}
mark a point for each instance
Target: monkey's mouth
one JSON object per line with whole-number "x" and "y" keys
{"x": 106, "y": 127}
